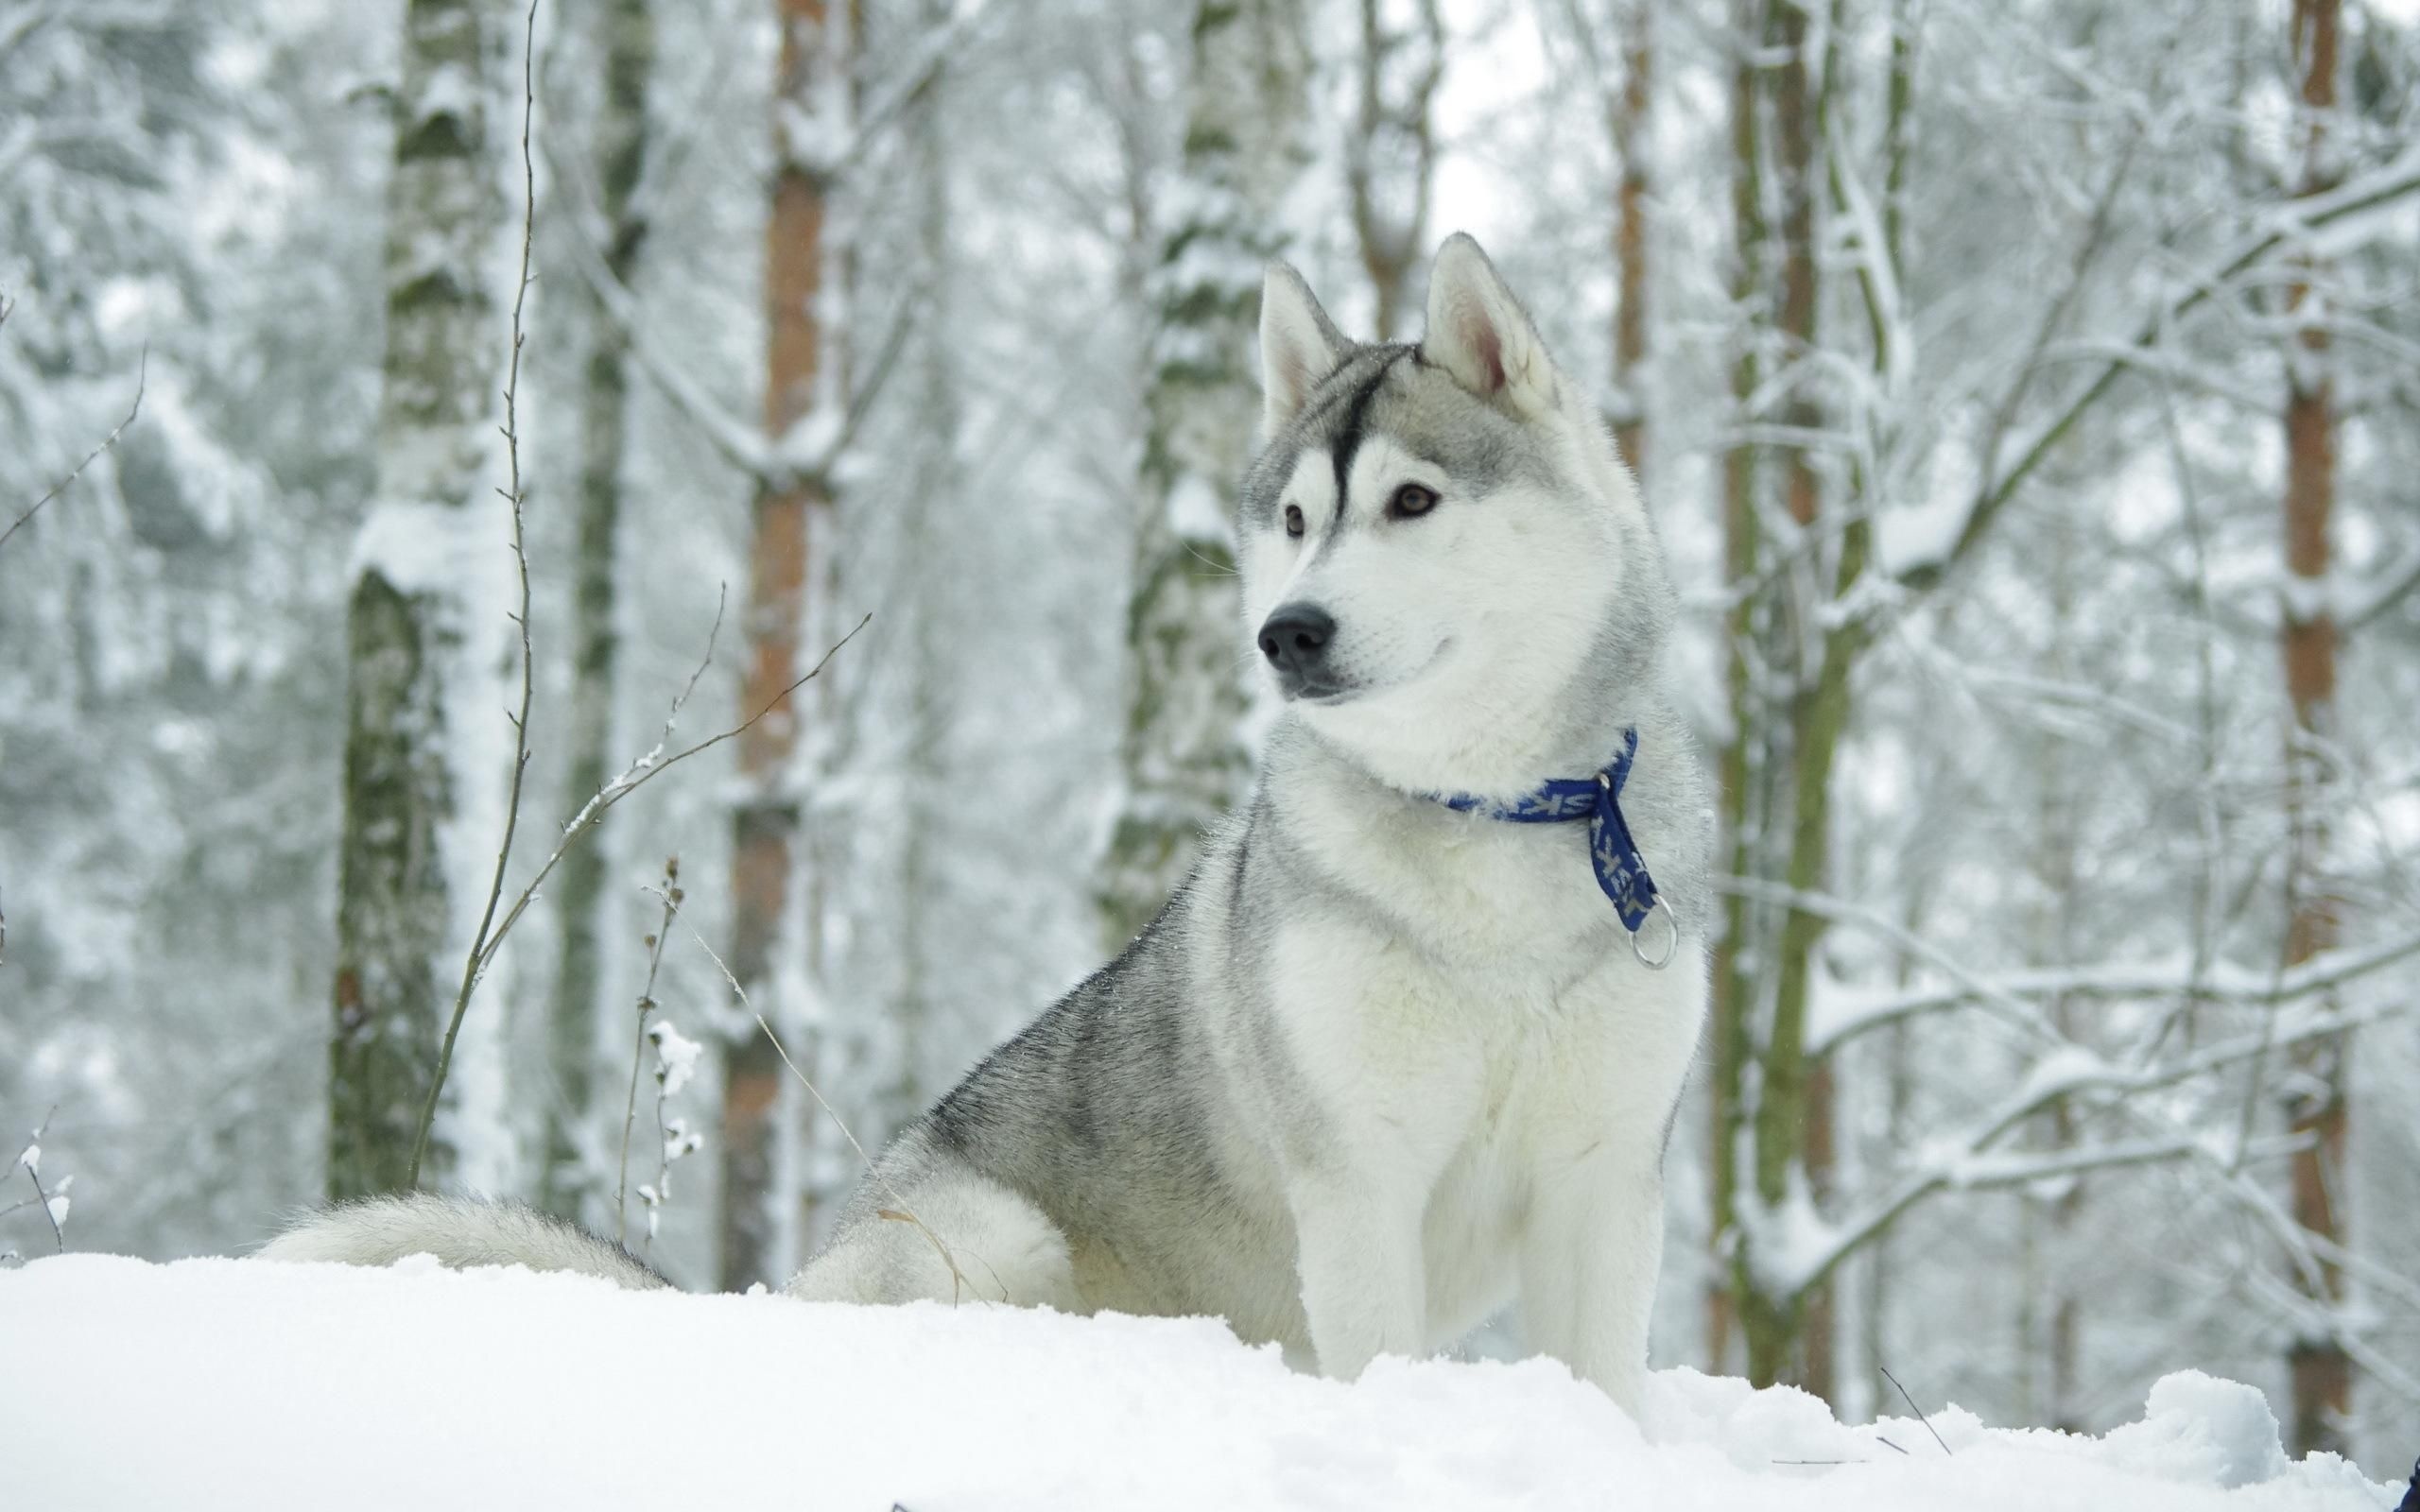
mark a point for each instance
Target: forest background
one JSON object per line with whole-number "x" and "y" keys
{"x": 2027, "y": 396}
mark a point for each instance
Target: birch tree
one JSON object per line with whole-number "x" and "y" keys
{"x": 421, "y": 774}
{"x": 1185, "y": 760}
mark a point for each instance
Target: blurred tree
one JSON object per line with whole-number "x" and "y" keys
{"x": 619, "y": 139}
{"x": 1184, "y": 761}
{"x": 427, "y": 598}
{"x": 2316, "y": 1106}
{"x": 1390, "y": 152}
{"x": 793, "y": 508}
{"x": 1625, "y": 95}
{"x": 1745, "y": 780}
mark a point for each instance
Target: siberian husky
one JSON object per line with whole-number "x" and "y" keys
{"x": 1410, "y": 1043}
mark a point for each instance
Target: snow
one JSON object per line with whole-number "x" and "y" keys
{"x": 676, "y": 1055}
{"x": 258, "y": 1386}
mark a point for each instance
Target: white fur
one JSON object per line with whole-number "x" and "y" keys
{"x": 459, "y": 1234}
{"x": 1298, "y": 346}
{"x": 1478, "y": 332}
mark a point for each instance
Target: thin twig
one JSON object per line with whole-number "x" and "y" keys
{"x": 1913, "y": 1407}
{"x": 638, "y": 1048}
{"x": 898, "y": 1211}
{"x": 517, "y": 496}
{"x": 646, "y": 770}
{"x": 33, "y": 1147}
{"x": 142, "y": 370}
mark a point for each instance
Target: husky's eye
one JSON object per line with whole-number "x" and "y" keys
{"x": 1293, "y": 519}
{"x": 1410, "y": 502}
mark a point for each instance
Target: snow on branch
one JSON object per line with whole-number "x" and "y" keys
{"x": 740, "y": 443}
{"x": 1837, "y": 1021}
{"x": 1795, "y": 1246}
{"x": 2287, "y": 227}
{"x": 54, "y": 1200}
{"x": 1814, "y": 1248}
{"x": 806, "y": 454}
{"x": 826, "y": 154}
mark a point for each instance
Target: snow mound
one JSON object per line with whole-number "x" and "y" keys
{"x": 231, "y": 1383}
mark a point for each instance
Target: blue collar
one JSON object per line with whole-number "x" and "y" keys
{"x": 1621, "y": 871}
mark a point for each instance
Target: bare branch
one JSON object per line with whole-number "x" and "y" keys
{"x": 671, "y": 896}
{"x": 517, "y": 496}
{"x": 142, "y": 371}
{"x": 29, "y": 1160}
{"x": 643, "y": 772}
{"x": 1913, "y": 1407}
{"x": 898, "y": 1211}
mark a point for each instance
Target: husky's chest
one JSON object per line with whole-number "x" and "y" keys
{"x": 1519, "y": 902}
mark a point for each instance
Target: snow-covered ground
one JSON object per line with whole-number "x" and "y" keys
{"x": 232, "y": 1384}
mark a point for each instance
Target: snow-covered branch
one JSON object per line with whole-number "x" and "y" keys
{"x": 1840, "y": 1019}
{"x": 1814, "y": 1248}
{"x": 803, "y": 455}
{"x": 2287, "y": 227}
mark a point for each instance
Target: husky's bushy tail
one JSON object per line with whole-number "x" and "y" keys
{"x": 458, "y": 1231}
{"x": 1001, "y": 1247}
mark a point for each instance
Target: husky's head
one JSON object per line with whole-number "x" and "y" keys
{"x": 1446, "y": 570}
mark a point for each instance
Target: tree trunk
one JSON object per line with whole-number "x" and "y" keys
{"x": 1731, "y": 1007}
{"x": 620, "y": 138}
{"x": 2322, "y": 1383}
{"x": 1390, "y": 157}
{"x": 798, "y": 377}
{"x": 926, "y": 539}
{"x": 1792, "y": 1117}
{"x": 1184, "y": 757}
{"x": 427, "y": 605}
{"x": 1631, "y": 144}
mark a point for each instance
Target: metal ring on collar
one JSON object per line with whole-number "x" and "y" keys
{"x": 1671, "y": 947}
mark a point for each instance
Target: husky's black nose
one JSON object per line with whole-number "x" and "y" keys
{"x": 1294, "y": 638}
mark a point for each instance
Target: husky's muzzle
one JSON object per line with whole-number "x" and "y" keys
{"x": 1295, "y": 638}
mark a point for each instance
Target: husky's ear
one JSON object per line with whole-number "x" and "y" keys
{"x": 1478, "y": 333}
{"x": 1298, "y": 347}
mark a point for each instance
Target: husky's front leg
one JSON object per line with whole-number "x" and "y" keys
{"x": 1365, "y": 1285}
{"x": 1589, "y": 1260}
